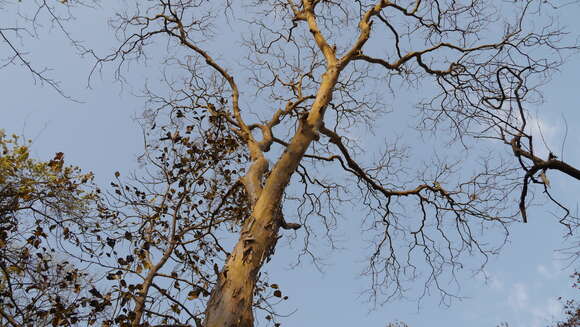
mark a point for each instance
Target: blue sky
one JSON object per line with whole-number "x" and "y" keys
{"x": 100, "y": 135}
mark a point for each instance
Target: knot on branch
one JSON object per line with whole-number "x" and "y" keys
{"x": 287, "y": 225}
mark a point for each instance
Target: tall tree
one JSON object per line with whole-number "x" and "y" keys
{"x": 320, "y": 71}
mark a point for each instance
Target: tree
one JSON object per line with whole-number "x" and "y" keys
{"x": 571, "y": 307}
{"x": 314, "y": 61}
{"x": 164, "y": 236}
{"x": 42, "y": 206}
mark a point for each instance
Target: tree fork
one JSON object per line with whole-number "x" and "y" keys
{"x": 230, "y": 303}
{"x": 231, "y": 300}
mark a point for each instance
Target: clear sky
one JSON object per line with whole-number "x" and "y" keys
{"x": 100, "y": 135}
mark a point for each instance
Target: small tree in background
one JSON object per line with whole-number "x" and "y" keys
{"x": 44, "y": 206}
{"x": 571, "y": 307}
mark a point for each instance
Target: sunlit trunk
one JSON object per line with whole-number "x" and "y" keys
{"x": 231, "y": 300}
{"x": 230, "y": 303}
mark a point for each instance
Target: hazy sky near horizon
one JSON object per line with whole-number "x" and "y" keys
{"x": 100, "y": 134}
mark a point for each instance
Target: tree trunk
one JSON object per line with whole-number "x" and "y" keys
{"x": 231, "y": 300}
{"x": 230, "y": 303}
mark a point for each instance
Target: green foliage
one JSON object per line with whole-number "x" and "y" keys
{"x": 25, "y": 182}
{"x": 42, "y": 205}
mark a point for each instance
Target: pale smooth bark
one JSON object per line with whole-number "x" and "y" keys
{"x": 231, "y": 300}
